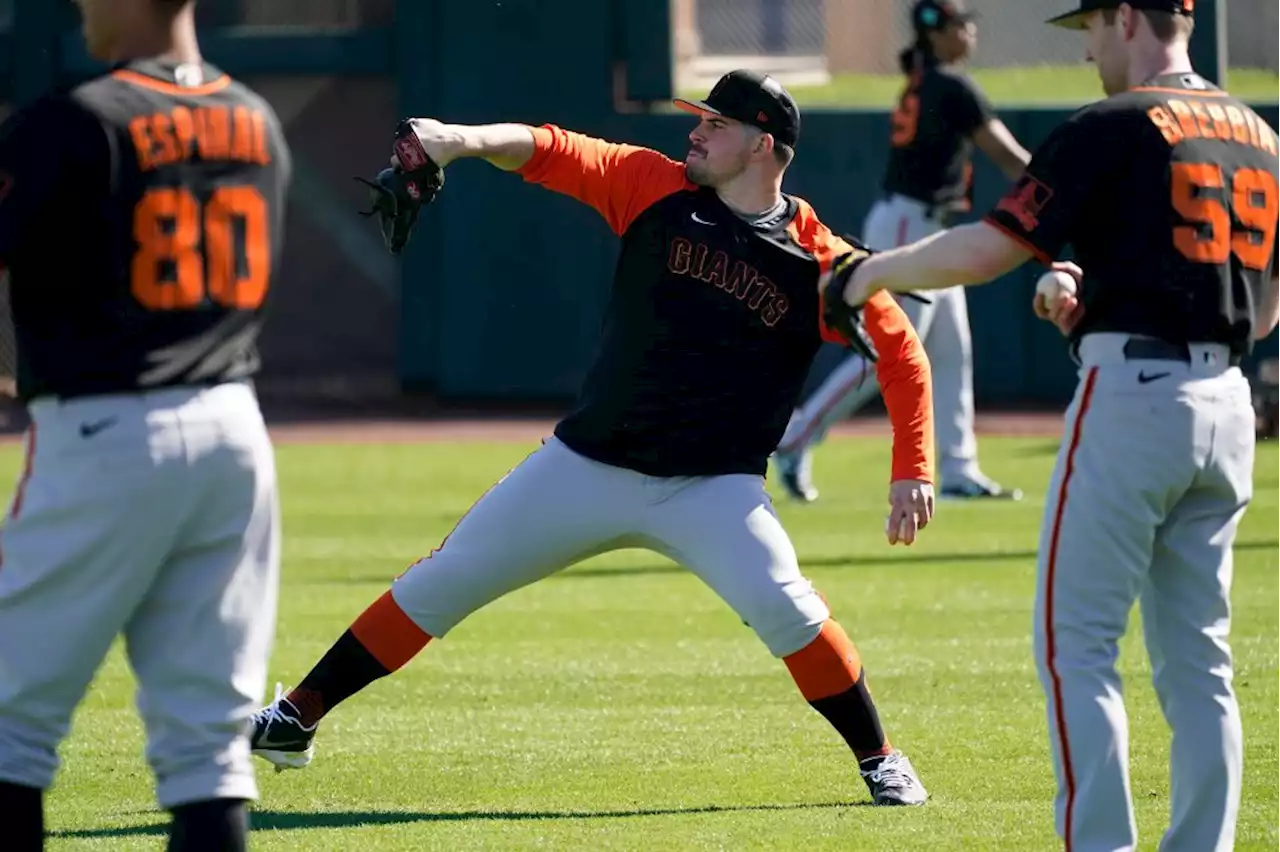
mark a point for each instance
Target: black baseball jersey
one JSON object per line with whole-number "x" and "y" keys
{"x": 713, "y": 322}
{"x": 141, "y": 220}
{"x": 932, "y": 137}
{"x": 1168, "y": 194}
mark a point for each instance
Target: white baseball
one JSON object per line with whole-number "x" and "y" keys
{"x": 1055, "y": 283}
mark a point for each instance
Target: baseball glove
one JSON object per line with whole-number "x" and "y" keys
{"x": 398, "y": 193}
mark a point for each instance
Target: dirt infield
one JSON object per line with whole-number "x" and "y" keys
{"x": 1034, "y": 424}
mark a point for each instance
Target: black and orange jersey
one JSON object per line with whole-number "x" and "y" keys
{"x": 141, "y": 220}
{"x": 931, "y": 141}
{"x": 713, "y": 323}
{"x": 1168, "y": 194}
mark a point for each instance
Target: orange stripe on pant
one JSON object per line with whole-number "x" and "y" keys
{"x": 27, "y": 461}
{"x": 1051, "y": 567}
{"x": 439, "y": 547}
{"x": 20, "y": 492}
{"x": 827, "y": 666}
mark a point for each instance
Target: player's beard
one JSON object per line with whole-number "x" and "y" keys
{"x": 700, "y": 172}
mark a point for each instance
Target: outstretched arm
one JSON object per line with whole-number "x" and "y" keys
{"x": 1035, "y": 219}
{"x": 965, "y": 255}
{"x": 619, "y": 181}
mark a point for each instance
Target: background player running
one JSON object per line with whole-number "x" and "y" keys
{"x": 940, "y": 116}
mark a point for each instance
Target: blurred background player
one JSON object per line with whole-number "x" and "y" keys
{"x": 141, "y": 218}
{"x": 941, "y": 115}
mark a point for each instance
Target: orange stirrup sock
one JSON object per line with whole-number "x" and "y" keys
{"x": 380, "y": 641}
{"x": 829, "y": 673}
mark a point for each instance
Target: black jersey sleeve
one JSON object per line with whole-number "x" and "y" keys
{"x": 51, "y": 144}
{"x": 966, "y": 106}
{"x": 1042, "y": 209}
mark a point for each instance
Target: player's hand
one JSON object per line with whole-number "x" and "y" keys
{"x": 1065, "y": 310}
{"x": 911, "y": 509}
{"x": 442, "y": 142}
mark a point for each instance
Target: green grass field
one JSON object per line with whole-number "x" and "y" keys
{"x": 620, "y": 705}
{"x": 1036, "y": 85}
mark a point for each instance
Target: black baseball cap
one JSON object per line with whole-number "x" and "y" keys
{"x": 752, "y": 98}
{"x": 1075, "y": 20}
{"x": 927, "y": 15}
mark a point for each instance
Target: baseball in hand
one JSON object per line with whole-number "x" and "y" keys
{"x": 1054, "y": 284}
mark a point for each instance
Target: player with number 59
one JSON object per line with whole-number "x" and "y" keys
{"x": 1167, "y": 192}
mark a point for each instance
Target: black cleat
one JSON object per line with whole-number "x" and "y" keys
{"x": 978, "y": 488}
{"x": 279, "y": 737}
{"x": 795, "y": 472}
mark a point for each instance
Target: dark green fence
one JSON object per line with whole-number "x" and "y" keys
{"x": 502, "y": 288}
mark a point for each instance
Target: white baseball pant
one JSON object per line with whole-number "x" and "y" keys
{"x": 152, "y": 515}
{"x": 558, "y": 508}
{"x": 1154, "y": 473}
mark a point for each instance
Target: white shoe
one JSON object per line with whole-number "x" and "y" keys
{"x": 892, "y": 780}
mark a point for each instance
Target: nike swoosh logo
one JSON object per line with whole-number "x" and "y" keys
{"x": 701, "y": 221}
{"x": 1144, "y": 379}
{"x": 88, "y": 430}
{"x": 267, "y": 742}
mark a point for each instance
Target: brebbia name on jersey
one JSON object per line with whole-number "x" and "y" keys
{"x": 1168, "y": 194}
{"x": 1179, "y": 119}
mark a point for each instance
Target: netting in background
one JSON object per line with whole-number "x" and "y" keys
{"x": 816, "y": 43}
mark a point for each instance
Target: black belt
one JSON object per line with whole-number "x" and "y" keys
{"x": 1151, "y": 349}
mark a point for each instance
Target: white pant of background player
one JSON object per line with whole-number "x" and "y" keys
{"x": 1153, "y": 475}
{"x": 152, "y": 515}
{"x": 943, "y": 327}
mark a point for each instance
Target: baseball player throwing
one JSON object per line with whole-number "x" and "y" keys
{"x": 1168, "y": 192}
{"x": 941, "y": 115}
{"x": 714, "y": 319}
{"x": 147, "y": 507}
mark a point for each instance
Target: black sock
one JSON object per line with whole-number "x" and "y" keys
{"x": 344, "y": 670}
{"x": 854, "y": 715}
{"x": 216, "y": 825}
{"x": 21, "y": 817}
